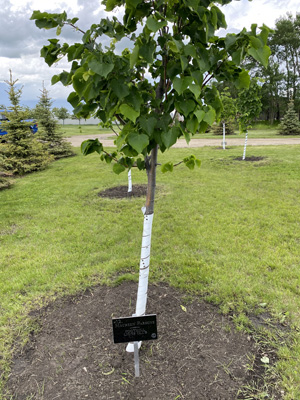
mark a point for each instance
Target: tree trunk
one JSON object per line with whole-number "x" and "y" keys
{"x": 245, "y": 146}
{"x": 148, "y": 212}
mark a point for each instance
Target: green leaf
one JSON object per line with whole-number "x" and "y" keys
{"x": 146, "y": 51}
{"x": 55, "y": 79}
{"x": 86, "y": 76}
{"x": 133, "y": 3}
{"x": 148, "y": 124}
{"x": 129, "y": 112}
{"x": 153, "y": 25}
{"x": 192, "y": 125}
{"x": 120, "y": 140}
{"x": 255, "y": 42}
{"x": 200, "y": 114}
{"x": 184, "y": 62}
{"x": 138, "y": 141}
{"x": 195, "y": 89}
{"x": 243, "y": 80}
{"x": 167, "y": 167}
{"x": 102, "y": 69}
{"x": 134, "y": 56}
{"x": 186, "y": 107}
{"x": 170, "y": 137}
{"x": 210, "y": 116}
{"x": 190, "y": 51}
{"x": 191, "y": 162}
{"x": 173, "y": 47}
{"x": 90, "y": 146}
{"x": 261, "y": 55}
{"x": 73, "y": 99}
{"x": 140, "y": 164}
{"x": 230, "y": 40}
{"x": 118, "y": 168}
{"x": 119, "y": 88}
{"x": 181, "y": 84}
{"x": 187, "y": 137}
{"x": 237, "y": 56}
{"x": 198, "y": 162}
{"x": 111, "y": 4}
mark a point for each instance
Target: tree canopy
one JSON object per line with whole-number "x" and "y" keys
{"x": 170, "y": 67}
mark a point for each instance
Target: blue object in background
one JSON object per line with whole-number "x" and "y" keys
{"x": 3, "y": 117}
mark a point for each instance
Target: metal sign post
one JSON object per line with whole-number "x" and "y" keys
{"x": 136, "y": 360}
{"x": 135, "y": 329}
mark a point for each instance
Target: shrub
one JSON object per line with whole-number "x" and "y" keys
{"x": 290, "y": 124}
{"x": 49, "y": 133}
{"x": 22, "y": 152}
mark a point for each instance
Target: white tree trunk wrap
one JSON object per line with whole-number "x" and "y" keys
{"x": 223, "y": 136}
{"x": 129, "y": 181}
{"x": 141, "y": 300}
{"x": 245, "y": 146}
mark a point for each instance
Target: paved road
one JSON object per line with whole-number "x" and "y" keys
{"x": 107, "y": 141}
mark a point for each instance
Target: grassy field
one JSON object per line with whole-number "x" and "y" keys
{"x": 229, "y": 231}
{"x": 76, "y": 130}
{"x": 258, "y": 131}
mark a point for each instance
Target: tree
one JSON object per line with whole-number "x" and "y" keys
{"x": 285, "y": 44}
{"x": 228, "y": 114}
{"x": 290, "y": 124}
{"x": 174, "y": 55}
{"x": 49, "y": 132}
{"x": 61, "y": 113}
{"x": 21, "y": 153}
{"x": 249, "y": 107}
{"x": 273, "y": 91}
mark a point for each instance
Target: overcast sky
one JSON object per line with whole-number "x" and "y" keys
{"x": 21, "y": 41}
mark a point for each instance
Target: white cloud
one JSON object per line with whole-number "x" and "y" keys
{"x": 240, "y": 14}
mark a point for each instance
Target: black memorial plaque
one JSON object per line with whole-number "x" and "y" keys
{"x": 134, "y": 329}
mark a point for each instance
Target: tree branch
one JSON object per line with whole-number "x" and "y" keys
{"x": 120, "y": 119}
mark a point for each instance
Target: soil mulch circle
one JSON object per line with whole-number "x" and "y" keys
{"x": 198, "y": 354}
{"x": 250, "y": 158}
{"x": 121, "y": 192}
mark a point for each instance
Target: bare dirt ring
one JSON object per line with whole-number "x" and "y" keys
{"x": 198, "y": 355}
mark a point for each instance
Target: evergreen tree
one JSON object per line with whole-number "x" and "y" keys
{"x": 49, "y": 132}
{"x": 22, "y": 152}
{"x": 290, "y": 124}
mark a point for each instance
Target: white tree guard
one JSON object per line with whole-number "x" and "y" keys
{"x": 245, "y": 146}
{"x": 141, "y": 300}
{"x": 129, "y": 181}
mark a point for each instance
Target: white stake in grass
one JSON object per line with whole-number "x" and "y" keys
{"x": 129, "y": 181}
{"x": 223, "y": 135}
{"x": 141, "y": 301}
{"x": 245, "y": 146}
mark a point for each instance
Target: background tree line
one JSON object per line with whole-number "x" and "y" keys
{"x": 280, "y": 80}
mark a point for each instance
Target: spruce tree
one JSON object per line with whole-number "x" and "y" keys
{"x": 21, "y": 153}
{"x": 290, "y": 124}
{"x": 49, "y": 133}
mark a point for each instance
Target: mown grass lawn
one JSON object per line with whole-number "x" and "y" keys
{"x": 229, "y": 231}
